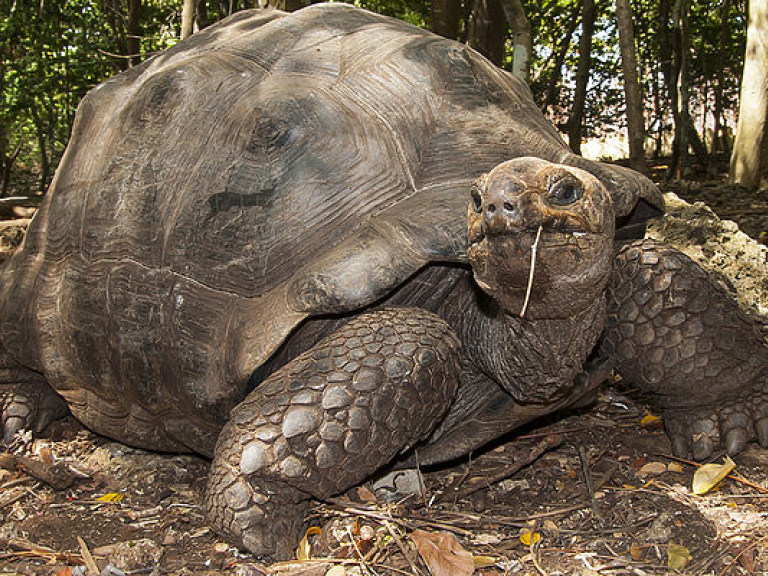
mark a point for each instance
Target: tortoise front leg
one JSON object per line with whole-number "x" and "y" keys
{"x": 674, "y": 331}
{"x": 326, "y": 421}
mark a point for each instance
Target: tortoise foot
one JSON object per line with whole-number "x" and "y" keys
{"x": 30, "y": 406}
{"x": 326, "y": 421}
{"x": 261, "y": 516}
{"x": 675, "y": 332}
{"x": 730, "y": 426}
{"x": 26, "y": 400}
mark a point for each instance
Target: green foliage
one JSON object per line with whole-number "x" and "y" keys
{"x": 53, "y": 51}
{"x": 415, "y": 12}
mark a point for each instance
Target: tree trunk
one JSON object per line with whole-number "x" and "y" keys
{"x": 133, "y": 31}
{"x": 187, "y": 18}
{"x": 42, "y": 143}
{"x": 748, "y": 158}
{"x": 719, "y": 141}
{"x": 488, "y": 30}
{"x": 521, "y": 34}
{"x": 679, "y": 163}
{"x": 287, "y": 5}
{"x": 576, "y": 120}
{"x": 632, "y": 92}
{"x": 553, "y": 91}
{"x": 201, "y": 11}
{"x": 446, "y": 18}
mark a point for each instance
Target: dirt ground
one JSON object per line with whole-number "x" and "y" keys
{"x": 588, "y": 492}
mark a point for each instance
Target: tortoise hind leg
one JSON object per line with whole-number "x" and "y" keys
{"x": 326, "y": 421}
{"x": 26, "y": 399}
{"x": 675, "y": 332}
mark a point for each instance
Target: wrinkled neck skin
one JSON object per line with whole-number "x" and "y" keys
{"x": 534, "y": 360}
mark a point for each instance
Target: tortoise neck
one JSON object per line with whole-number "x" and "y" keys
{"x": 536, "y": 361}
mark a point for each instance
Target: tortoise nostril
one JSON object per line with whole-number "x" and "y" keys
{"x": 491, "y": 208}
{"x": 508, "y": 207}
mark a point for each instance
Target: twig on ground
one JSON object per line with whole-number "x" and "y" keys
{"x": 344, "y": 508}
{"x": 536, "y": 452}
{"x": 27, "y": 548}
{"x": 403, "y": 548}
{"x": 57, "y": 476}
{"x": 513, "y": 521}
{"x": 90, "y": 563}
{"x": 740, "y": 554}
{"x": 534, "y": 549}
{"x": 587, "y": 472}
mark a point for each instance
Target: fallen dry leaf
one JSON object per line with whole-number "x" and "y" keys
{"x": 652, "y": 469}
{"x": 649, "y": 420}
{"x": 709, "y": 475}
{"x": 678, "y": 556}
{"x": 443, "y": 554}
{"x": 365, "y": 494}
{"x": 526, "y": 537}
{"x": 485, "y": 561}
{"x": 110, "y": 497}
{"x": 304, "y": 550}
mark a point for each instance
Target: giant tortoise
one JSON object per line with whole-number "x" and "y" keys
{"x": 309, "y": 244}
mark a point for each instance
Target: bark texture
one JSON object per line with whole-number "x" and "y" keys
{"x": 576, "y": 120}
{"x": 632, "y": 91}
{"x": 521, "y": 34}
{"x": 187, "y": 18}
{"x": 488, "y": 30}
{"x": 747, "y": 161}
{"x": 446, "y": 18}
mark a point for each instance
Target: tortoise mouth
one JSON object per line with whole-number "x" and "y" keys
{"x": 559, "y": 271}
{"x": 549, "y": 237}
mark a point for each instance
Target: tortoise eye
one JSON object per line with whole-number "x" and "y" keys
{"x": 565, "y": 191}
{"x": 477, "y": 200}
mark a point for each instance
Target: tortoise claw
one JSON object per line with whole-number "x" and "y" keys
{"x": 735, "y": 440}
{"x": 681, "y": 447}
{"x": 30, "y": 405}
{"x": 761, "y": 428}
{"x": 702, "y": 447}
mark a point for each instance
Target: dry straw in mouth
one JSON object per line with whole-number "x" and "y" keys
{"x": 534, "y": 249}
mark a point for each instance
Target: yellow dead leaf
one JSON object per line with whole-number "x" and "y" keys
{"x": 485, "y": 561}
{"x": 652, "y": 469}
{"x": 337, "y": 570}
{"x": 649, "y": 419}
{"x": 636, "y": 551}
{"x": 110, "y": 497}
{"x": 678, "y": 556}
{"x": 708, "y": 476}
{"x": 443, "y": 554}
{"x": 304, "y": 550}
{"x": 526, "y": 537}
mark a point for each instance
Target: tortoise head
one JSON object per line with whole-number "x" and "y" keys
{"x": 541, "y": 237}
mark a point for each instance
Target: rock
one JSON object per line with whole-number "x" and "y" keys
{"x": 719, "y": 246}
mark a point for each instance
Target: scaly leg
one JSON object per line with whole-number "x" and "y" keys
{"x": 674, "y": 331}
{"x": 326, "y": 421}
{"x": 26, "y": 400}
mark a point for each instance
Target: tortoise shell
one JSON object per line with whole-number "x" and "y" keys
{"x": 217, "y": 195}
